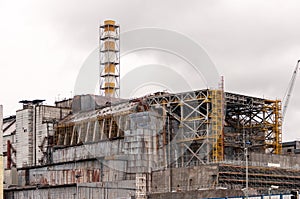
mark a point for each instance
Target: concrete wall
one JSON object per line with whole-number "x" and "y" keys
{"x": 73, "y": 172}
{"x": 285, "y": 161}
{"x": 91, "y": 150}
{"x": 11, "y": 177}
{"x": 197, "y": 194}
{"x": 116, "y": 190}
{"x": 183, "y": 179}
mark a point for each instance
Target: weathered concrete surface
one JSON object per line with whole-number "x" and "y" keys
{"x": 197, "y": 194}
{"x": 184, "y": 179}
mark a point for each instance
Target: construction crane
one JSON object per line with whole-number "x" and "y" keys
{"x": 287, "y": 96}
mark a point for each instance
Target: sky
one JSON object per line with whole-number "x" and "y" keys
{"x": 254, "y": 44}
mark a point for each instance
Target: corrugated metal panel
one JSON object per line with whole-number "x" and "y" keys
{"x": 115, "y": 190}
{"x": 24, "y": 137}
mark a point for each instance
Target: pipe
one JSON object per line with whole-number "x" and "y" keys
{"x": 8, "y": 163}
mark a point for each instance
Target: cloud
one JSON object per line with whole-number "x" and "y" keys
{"x": 255, "y": 44}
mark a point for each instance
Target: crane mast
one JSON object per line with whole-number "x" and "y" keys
{"x": 287, "y": 96}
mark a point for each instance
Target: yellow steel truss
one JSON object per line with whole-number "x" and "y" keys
{"x": 217, "y": 125}
{"x": 277, "y": 127}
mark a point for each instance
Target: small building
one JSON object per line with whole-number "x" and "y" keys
{"x": 292, "y": 147}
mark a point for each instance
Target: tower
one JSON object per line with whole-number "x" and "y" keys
{"x": 110, "y": 59}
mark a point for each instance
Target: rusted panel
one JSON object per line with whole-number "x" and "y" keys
{"x": 96, "y": 175}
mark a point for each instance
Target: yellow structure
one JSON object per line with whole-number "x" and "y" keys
{"x": 217, "y": 125}
{"x": 277, "y": 127}
{"x": 273, "y": 126}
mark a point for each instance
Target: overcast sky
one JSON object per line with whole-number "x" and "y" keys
{"x": 255, "y": 44}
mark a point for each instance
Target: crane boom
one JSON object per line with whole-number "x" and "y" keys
{"x": 287, "y": 96}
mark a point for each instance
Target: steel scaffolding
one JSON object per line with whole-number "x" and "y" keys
{"x": 199, "y": 127}
{"x": 199, "y": 134}
{"x": 261, "y": 121}
{"x": 260, "y": 178}
{"x": 195, "y": 130}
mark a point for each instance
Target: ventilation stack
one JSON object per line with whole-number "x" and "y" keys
{"x": 110, "y": 59}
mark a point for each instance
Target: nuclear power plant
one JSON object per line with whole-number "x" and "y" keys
{"x": 205, "y": 143}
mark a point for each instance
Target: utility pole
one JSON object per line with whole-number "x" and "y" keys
{"x": 247, "y": 180}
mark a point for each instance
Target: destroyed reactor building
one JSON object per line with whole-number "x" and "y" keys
{"x": 156, "y": 146}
